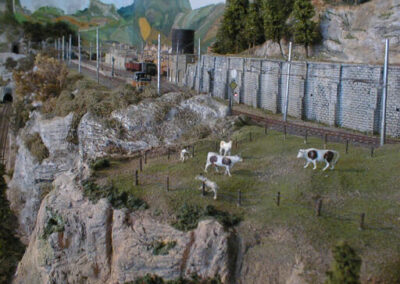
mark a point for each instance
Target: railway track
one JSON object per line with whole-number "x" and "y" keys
{"x": 328, "y": 135}
{"x": 4, "y": 124}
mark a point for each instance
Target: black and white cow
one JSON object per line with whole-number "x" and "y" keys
{"x": 222, "y": 161}
{"x": 330, "y": 157}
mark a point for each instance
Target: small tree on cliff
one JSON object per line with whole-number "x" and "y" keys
{"x": 345, "y": 267}
{"x": 230, "y": 36}
{"x": 305, "y": 30}
{"x": 276, "y": 12}
{"x": 254, "y": 27}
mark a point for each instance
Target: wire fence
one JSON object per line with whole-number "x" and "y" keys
{"x": 264, "y": 199}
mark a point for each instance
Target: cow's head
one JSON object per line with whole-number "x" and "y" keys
{"x": 301, "y": 153}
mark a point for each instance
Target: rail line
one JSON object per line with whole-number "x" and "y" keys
{"x": 306, "y": 130}
{"x": 4, "y": 123}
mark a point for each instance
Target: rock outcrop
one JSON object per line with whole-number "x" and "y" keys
{"x": 31, "y": 179}
{"x": 97, "y": 244}
{"x": 69, "y": 238}
{"x": 354, "y": 34}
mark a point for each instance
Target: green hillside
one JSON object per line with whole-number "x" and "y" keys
{"x": 123, "y": 25}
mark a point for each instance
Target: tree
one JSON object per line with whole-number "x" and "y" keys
{"x": 276, "y": 13}
{"x": 254, "y": 26}
{"x": 346, "y": 265}
{"x": 230, "y": 34}
{"x": 305, "y": 30}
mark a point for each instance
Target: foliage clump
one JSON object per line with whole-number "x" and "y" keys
{"x": 155, "y": 279}
{"x": 11, "y": 249}
{"x": 117, "y": 198}
{"x": 345, "y": 267}
{"x": 10, "y": 64}
{"x": 54, "y": 223}
{"x": 36, "y": 147}
{"x": 188, "y": 217}
{"x": 162, "y": 247}
{"x": 100, "y": 164}
{"x": 46, "y": 80}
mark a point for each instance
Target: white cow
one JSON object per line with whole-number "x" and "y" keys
{"x": 184, "y": 155}
{"x": 330, "y": 157}
{"x": 221, "y": 161}
{"x": 225, "y": 148}
{"x": 209, "y": 185}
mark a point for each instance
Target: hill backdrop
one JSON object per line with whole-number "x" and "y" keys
{"x": 130, "y": 23}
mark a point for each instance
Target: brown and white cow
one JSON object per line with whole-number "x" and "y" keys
{"x": 222, "y": 161}
{"x": 312, "y": 155}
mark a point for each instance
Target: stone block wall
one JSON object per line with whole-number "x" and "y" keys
{"x": 344, "y": 95}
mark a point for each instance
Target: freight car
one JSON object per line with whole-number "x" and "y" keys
{"x": 145, "y": 67}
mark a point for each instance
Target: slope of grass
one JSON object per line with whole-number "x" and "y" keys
{"x": 359, "y": 184}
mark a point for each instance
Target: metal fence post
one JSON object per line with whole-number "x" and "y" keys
{"x": 287, "y": 83}
{"x": 384, "y": 94}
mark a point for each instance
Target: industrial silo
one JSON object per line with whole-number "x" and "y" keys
{"x": 183, "y": 41}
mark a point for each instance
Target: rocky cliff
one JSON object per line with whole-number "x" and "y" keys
{"x": 354, "y": 34}
{"x": 71, "y": 239}
{"x": 100, "y": 245}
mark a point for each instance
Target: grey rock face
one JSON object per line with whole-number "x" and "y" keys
{"x": 99, "y": 244}
{"x": 30, "y": 178}
{"x": 102, "y": 245}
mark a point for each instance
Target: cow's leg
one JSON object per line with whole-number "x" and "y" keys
{"x": 207, "y": 165}
{"x": 307, "y": 163}
{"x": 216, "y": 168}
{"x": 227, "y": 171}
{"x": 327, "y": 166}
{"x": 220, "y": 151}
{"x": 315, "y": 164}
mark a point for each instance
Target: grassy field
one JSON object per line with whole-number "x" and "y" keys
{"x": 359, "y": 184}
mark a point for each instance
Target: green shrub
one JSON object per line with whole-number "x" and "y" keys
{"x": 11, "y": 249}
{"x": 162, "y": 248}
{"x": 10, "y": 64}
{"x": 188, "y": 217}
{"x": 100, "y": 164}
{"x": 117, "y": 199}
{"x": 35, "y": 145}
{"x": 345, "y": 267}
{"x": 155, "y": 279}
{"x": 54, "y": 223}
{"x": 19, "y": 115}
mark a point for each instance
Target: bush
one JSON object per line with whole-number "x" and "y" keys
{"x": 346, "y": 265}
{"x": 117, "y": 199}
{"x": 54, "y": 224}
{"x": 163, "y": 248}
{"x": 35, "y": 145}
{"x": 19, "y": 116}
{"x": 46, "y": 80}
{"x": 11, "y": 249}
{"x": 155, "y": 279}
{"x": 188, "y": 217}
{"x": 100, "y": 164}
{"x": 10, "y": 64}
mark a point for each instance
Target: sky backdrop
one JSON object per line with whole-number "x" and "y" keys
{"x": 71, "y": 6}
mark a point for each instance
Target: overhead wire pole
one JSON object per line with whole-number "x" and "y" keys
{"x": 97, "y": 55}
{"x": 63, "y": 47}
{"x": 79, "y": 52}
{"x": 70, "y": 49}
{"x": 176, "y": 63}
{"x": 159, "y": 64}
{"x": 287, "y": 83}
{"x": 384, "y": 94}
{"x": 198, "y": 63}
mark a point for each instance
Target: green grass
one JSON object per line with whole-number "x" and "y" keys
{"x": 359, "y": 184}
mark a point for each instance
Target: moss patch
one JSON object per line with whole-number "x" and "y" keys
{"x": 118, "y": 199}
{"x": 35, "y": 145}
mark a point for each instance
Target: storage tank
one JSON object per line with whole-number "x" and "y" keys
{"x": 183, "y": 41}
